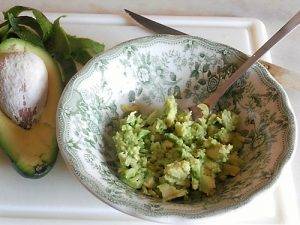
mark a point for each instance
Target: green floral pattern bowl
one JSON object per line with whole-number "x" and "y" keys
{"x": 148, "y": 69}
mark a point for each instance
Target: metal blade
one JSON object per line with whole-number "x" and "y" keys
{"x": 287, "y": 78}
{"x": 152, "y": 25}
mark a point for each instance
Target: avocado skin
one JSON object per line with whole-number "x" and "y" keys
{"x": 36, "y": 175}
{"x": 7, "y": 145}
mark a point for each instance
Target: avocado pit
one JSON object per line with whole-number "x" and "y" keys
{"x": 23, "y": 87}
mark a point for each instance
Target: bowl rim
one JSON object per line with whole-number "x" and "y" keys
{"x": 171, "y": 217}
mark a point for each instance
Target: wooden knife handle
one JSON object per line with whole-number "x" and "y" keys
{"x": 287, "y": 78}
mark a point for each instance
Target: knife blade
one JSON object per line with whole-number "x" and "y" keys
{"x": 287, "y": 78}
{"x": 152, "y": 25}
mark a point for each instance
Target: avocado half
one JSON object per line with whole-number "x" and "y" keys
{"x": 33, "y": 152}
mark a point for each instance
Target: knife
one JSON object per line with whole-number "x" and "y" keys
{"x": 287, "y": 78}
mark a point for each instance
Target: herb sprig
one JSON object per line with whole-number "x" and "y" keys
{"x": 69, "y": 51}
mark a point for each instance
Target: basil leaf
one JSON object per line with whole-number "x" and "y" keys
{"x": 23, "y": 32}
{"x": 81, "y": 56}
{"x": 45, "y": 24}
{"x": 67, "y": 66}
{"x": 84, "y": 43}
{"x": 58, "y": 42}
{"x": 15, "y": 11}
{"x": 4, "y": 29}
{"x": 83, "y": 49}
{"x": 28, "y": 35}
{"x": 3, "y": 24}
{"x": 30, "y": 22}
{"x": 12, "y": 21}
{"x": 58, "y": 45}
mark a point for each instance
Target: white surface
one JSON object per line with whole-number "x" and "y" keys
{"x": 59, "y": 196}
{"x": 273, "y": 13}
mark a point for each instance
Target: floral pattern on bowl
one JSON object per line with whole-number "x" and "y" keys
{"x": 145, "y": 71}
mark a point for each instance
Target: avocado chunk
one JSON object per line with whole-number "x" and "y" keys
{"x": 33, "y": 151}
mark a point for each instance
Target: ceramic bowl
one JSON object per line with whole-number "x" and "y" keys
{"x": 146, "y": 70}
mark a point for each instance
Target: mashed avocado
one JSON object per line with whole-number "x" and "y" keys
{"x": 167, "y": 154}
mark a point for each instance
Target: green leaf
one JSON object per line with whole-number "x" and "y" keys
{"x": 23, "y": 32}
{"x": 9, "y": 34}
{"x": 3, "y": 24}
{"x": 81, "y": 56}
{"x": 30, "y": 22}
{"x": 15, "y": 11}
{"x": 58, "y": 43}
{"x": 28, "y": 35}
{"x": 45, "y": 24}
{"x": 69, "y": 69}
{"x": 83, "y": 49}
{"x": 67, "y": 66}
{"x": 41, "y": 24}
{"x": 12, "y": 21}
{"x": 4, "y": 29}
{"x": 89, "y": 45}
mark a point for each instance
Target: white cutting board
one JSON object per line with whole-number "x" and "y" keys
{"x": 59, "y": 198}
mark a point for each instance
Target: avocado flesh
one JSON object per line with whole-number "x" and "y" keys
{"x": 33, "y": 152}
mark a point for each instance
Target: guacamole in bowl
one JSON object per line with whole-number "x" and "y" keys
{"x": 139, "y": 75}
{"x": 167, "y": 154}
